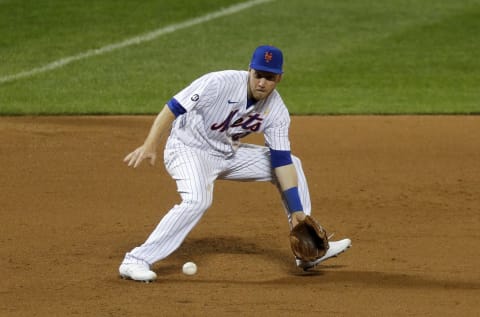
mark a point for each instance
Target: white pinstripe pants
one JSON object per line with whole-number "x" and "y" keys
{"x": 195, "y": 173}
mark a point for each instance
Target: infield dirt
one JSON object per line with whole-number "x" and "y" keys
{"x": 405, "y": 189}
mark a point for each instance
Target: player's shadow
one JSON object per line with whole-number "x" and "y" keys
{"x": 323, "y": 275}
{"x": 376, "y": 279}
{"x": 219, "y": 244}
{"x": 203, "y": 247}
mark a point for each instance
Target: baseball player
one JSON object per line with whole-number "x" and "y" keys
{"x": 207, "y": 120}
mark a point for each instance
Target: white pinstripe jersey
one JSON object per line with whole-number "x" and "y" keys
{"x": 217, "y": 115}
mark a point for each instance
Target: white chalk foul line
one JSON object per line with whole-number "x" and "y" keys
{"x": 133, "y": 41}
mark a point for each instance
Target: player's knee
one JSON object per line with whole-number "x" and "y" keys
{"x": 296, "y": 161}
{"x": 199, "y": 203}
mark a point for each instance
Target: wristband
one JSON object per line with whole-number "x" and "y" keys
{"x": 292, "y": 199}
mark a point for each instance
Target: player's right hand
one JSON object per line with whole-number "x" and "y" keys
{"x": 136, "y": 157}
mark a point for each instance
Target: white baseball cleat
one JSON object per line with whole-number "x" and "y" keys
{"x": 137, "y": 272}
{"x": 335, "y": 248}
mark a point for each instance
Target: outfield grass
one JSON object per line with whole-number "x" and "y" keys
{"x": 341, "y": 57}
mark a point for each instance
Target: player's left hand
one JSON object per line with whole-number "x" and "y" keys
{"x": 309, "y": 240}
{"x": 297, "y": 217}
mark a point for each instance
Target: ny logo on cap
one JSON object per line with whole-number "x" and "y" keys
{"x": 268, "y": 57}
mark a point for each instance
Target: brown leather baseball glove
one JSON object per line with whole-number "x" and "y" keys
{"x": 308, "y": 240}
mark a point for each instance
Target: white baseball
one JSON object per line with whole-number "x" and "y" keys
{"x": 189, "y": 268}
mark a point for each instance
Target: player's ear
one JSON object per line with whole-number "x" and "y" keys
{"x": 279, "y": 78}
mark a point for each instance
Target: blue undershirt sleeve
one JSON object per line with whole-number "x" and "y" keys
{"x": 280, "y": 158}
{"x": 176, "y": 107}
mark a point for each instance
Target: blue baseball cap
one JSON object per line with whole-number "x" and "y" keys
{"x": 268, "y": 59}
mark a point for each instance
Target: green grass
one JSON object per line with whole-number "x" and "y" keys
{"x": 341, "y": 57}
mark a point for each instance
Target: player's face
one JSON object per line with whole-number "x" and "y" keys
{"x": 261, "y": 84}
